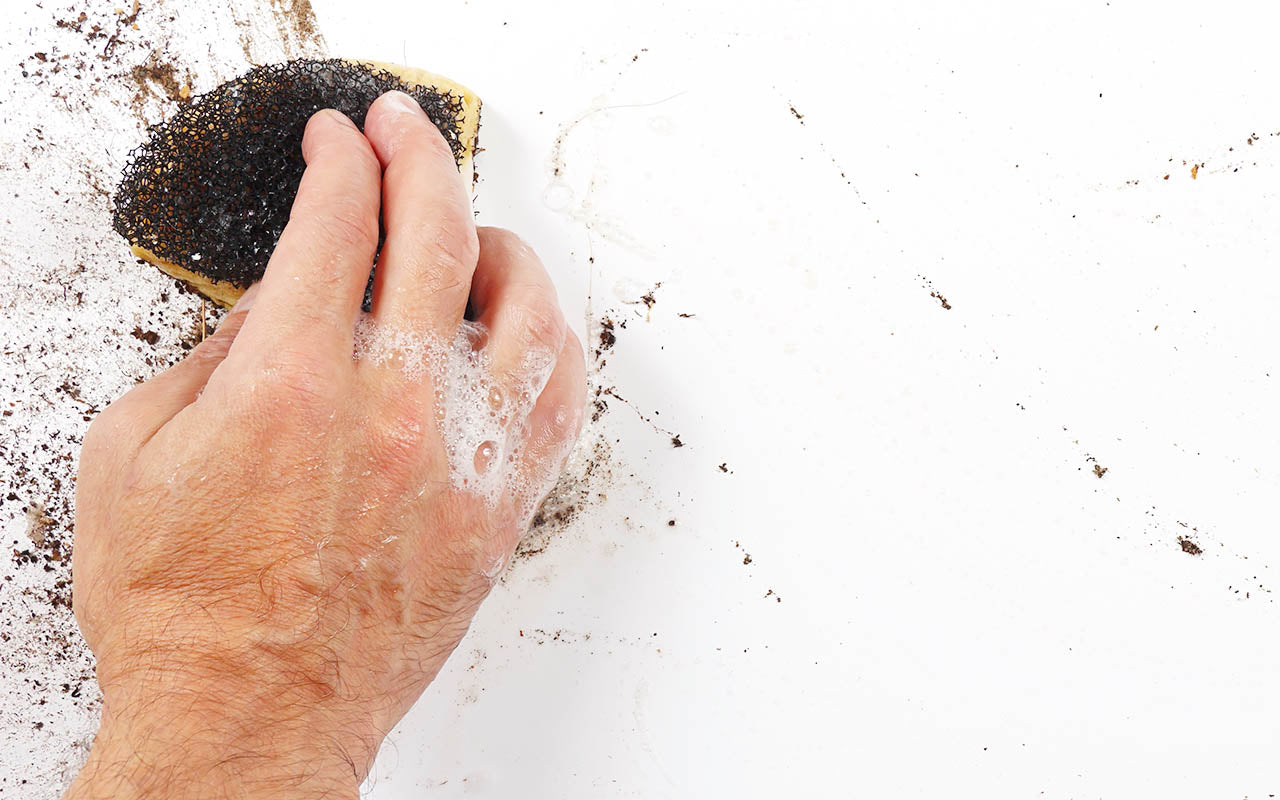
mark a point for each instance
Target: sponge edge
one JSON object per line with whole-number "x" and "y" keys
{"x": 225, "y": 293}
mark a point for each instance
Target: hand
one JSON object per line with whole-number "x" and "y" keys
{"x": 278, "y": 543}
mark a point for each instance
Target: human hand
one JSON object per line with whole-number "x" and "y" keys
{"x": 279, "y": 544}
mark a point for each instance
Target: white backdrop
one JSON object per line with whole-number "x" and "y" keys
{"x": 981, "y": 327}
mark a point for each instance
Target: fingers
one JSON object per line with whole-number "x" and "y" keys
{"x": 513, "y": 296}
{"x": 556, "y": 418}
{"x": 554, "y": 425}
{"x": 424, "y": 270}
{"x": 315, "y": 280}
{"x": 146, "y": 408}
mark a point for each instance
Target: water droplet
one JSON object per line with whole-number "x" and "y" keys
{"x": 485, "y": 456}
{"x": 557, "y": 197}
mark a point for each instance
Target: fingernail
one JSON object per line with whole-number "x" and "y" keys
{"x": 247, "y": 299}
{"x": 338, "y": 117}
{"x": 401, "y": 102}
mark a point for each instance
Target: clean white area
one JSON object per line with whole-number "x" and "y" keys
{"x": 967, "y": 609}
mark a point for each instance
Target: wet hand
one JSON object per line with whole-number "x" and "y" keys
{"x": 281, "y": 539}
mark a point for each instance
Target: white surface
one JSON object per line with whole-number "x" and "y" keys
{"x": 966, "y": 608}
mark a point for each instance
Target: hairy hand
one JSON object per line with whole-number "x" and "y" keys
{"x": 281, "y": 539}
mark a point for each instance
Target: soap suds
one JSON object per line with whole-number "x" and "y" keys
{"x": 482, "y": 419}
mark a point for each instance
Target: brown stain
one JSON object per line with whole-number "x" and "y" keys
{"x": 582, "y": 484}
{"x": 157, "y": 78}
{"x": 296, "y": 23}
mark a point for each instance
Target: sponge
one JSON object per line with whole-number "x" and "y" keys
{"x": 208, "y": 194}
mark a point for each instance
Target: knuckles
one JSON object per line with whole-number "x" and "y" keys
{"x": 293, "y": 389}
{"x": 539, "y": 324}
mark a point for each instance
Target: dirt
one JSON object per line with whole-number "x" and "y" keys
{"x": 585, "y": 482}
{"x": 934, "y": 293}
{"x": 298, "y": 16}
{"x": 159, "y": 78}
{"x": 1099, "y": 470}
{"x": 607, "y": 337}
{"x": 648, "y": 297}
{"x": 150, "y": 337}
{"x": 1189, "y": 547}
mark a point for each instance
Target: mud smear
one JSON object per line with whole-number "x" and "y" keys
{"x": 296, "y": 24}
{"x": 585, "y": 482}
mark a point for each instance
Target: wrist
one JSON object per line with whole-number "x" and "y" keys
{"x": 165, "y": 741}
{"x": 164, "y": 756}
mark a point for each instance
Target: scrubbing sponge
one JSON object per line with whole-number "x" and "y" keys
{"x": 207, "y": 196}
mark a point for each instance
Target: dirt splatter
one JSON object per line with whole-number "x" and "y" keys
{"x": 934, "y": 293}
{"x": 607, "y": 337}
{"x": 296, "y": 26}
{"x": 84, "y": 323}
{"x": 1189, "y": 547}
{"x": 157, "y": 78}
{"x": 1099, "y": 470}
{"x": 585, "y": 481}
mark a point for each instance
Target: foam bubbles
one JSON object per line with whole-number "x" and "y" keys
{"x": 482, "y": 418}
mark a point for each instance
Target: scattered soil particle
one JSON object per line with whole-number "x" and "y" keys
{"x": 675, "y": 441}
{"x": 797, "y": 114}
{"x": 648, "y": 297}
{"x": 1189, "y": 547}
{"x": 925, "y": 283}
{"x": 607, "y": 337}
{"x": 724, "y": 467}
{"x": 1099, "y": 470}
{"x": 150, "y": 337}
